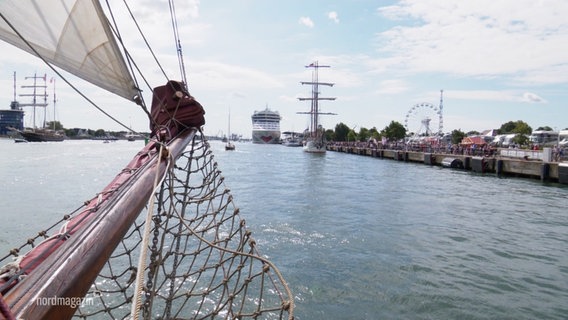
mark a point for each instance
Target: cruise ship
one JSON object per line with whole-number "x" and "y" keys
{"x": 266, "y": 127}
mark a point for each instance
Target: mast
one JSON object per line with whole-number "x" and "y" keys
{"x": 14, "y": 86}
{"x": 35, "y": 96}
{"x": 441, "y": 116}
{"x": 315, "y": 98}
{"x": 54, "y": 101}
{"x": 229, "y": 133}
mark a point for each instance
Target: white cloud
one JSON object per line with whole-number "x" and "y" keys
{"x": 494, "y": 95}
{"x": 478, "y": 38}
{"x": 532, "y": 98}
{"x": 226, "y": 76}
{"x": 392, "y": 87}
{"x": 152, "y": 9}
{"x": 487, "y": 95}
{"x": 306, "y": 21}
{"x": 333, "y": 16}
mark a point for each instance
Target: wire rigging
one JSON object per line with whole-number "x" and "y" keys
{"x": 178, "y": 42}
{"x": 61, "y": 75}
{"x": 145, "y": 41}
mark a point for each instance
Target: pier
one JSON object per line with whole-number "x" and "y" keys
{"x": 527, "y": 164}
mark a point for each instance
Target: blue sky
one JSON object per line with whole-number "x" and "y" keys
{"x": 496, "y": 61}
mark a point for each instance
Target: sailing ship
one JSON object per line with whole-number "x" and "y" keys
{"x": 164, "y": 239}
{"x": 314, "y": 137}
{"x": 38, "y": 97}
{"x": 229, "y": 146}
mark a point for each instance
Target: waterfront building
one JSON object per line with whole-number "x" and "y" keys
{"x": 11, "y": 118}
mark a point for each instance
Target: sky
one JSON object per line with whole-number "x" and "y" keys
{"x": 496, "y": 61}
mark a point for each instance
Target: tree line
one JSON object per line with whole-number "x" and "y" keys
{"x": 71, "y": 133}
{"x": 395, "y": 131}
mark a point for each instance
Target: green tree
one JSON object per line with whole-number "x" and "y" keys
{"x": 523, "y": 128}
{"x": 341, "y": 131}
{"x": 329, "y": 135}
{"x": 545, "y": 128}
{"x": 394, "y": 131}
{"x": 507, "y": 127}
{"x": 521, "y": 139}
{"x": 457, "y": 136}
{"x": 363, "y": 134}
{"x": 351, "y": 136}
{"x": 100, "y": 133}
{"x": 55, "y": 125}
{"x": 375, "y": 134}
{"x": 70, "y": 132}
{"x": 518, "y": 126}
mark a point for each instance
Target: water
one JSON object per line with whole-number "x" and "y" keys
{"x": 41, "y": 182}
{"x": 355, "y": 237}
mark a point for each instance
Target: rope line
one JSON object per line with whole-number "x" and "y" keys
{"x": 254, "y": 256}
{"x": 177, "y": 41}
{"x": 138, "y": 289}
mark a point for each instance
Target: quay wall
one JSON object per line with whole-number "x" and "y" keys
{"x": 498, "y": 165}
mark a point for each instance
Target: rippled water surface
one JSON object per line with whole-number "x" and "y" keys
{"x": 356, "y": 237}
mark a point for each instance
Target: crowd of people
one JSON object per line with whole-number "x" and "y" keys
{"x": 482, "y": 150}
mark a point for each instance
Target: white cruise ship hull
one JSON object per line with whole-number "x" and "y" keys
{"x": 266, "y": 136}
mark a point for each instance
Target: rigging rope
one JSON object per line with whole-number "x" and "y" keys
{"x": 138, "y": 289}
{"x": 178, "y": 42}
{"x": 252, "y": 243}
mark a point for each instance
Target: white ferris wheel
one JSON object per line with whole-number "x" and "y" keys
{"x": 425, "y": 119}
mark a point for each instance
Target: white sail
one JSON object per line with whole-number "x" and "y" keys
{"x": 69, "y": 35}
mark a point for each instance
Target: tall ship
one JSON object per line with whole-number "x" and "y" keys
{"x": 266, "y": 127}
{"x": 314, "y": 137}
{"x": 38, "y": 96}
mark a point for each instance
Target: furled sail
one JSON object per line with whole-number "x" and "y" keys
{"x": 69, "y": 35}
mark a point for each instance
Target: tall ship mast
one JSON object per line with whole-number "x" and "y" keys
{"x": 38, "y": 96}
{"x": 266, "y": 127}
{"x": 315, "y": 137}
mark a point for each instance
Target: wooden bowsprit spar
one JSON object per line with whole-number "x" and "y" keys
{"x": 69, "y": 271}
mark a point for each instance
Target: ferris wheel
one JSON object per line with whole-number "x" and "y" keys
{"x": 424, "y": 119}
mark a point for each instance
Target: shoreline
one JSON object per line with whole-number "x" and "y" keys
{"x": 546, "y": 171}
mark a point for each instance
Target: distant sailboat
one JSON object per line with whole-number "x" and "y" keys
{"x": 229, "y": 146}
{"x": 315, "y": 135}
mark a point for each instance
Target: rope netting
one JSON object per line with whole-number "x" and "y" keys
{"x": 201, "y": 261}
